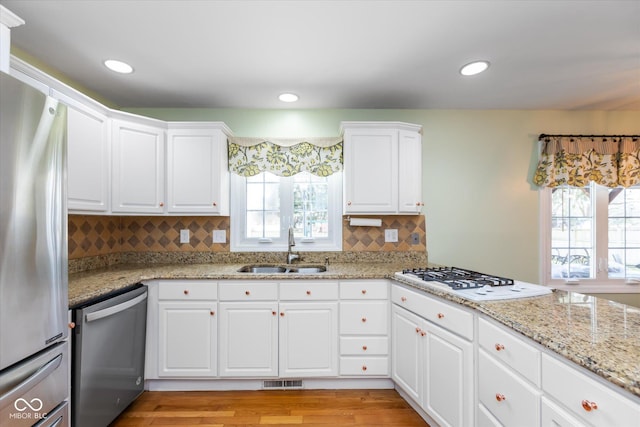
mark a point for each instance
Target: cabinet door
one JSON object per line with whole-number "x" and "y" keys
{"x": 410, "y": 172}
{"x": 87, "y": 160}
{"x": 309, "y": 339}
{"x": 249, "y": 339}
{"x": 370, "y": 171}
{"x": 197, "y": 172}
{"x": 187, "y": 339}
{"x": 406, "y": 352}
{"x": 448, "y": 377}
{"x": 138, "y": 168}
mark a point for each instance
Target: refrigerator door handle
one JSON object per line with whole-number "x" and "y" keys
{"x": 110, "y": 311}
{"x": 43, "y": 372}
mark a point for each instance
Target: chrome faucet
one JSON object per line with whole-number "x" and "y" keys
{"x": 292, "y": 242}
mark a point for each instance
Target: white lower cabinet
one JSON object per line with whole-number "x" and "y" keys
{"x": 187, "y": 324}
{"x": 187, "y": 341}
{"x": 406, "y": 352}
{"x": 364, "y": 328}
{"x": 507, "y": 396}
{"x": 447, "y": 377}
{"x": 249, "y": 339}
{"x": 588, "y": 399}
{"x": 248, "y": 329}
{"x": 308, "y": 339}
{"x": 432, "y": 365}
{"x": 323, "y": 329}
{"x": 522, "y": 385}
{"x": 270, "y": 329}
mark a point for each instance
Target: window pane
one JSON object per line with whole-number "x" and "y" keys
{"x": 310, "y": 206}
{"x": 572, "y": 233}
{"x": 272, "y": 197}
{"x": 255, "y": 196}
{"x": 624, "y": 232}
{"x": 272, "y": 224}
{"x": 263, "y": 206}
{"x": 263, "y": 224}
{"x": 255, "y": 224}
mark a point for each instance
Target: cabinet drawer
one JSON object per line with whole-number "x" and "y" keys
{"x": 364, "y": 289}
{"x": 364, "y": 318}
{"x": 509, "y": 398}
{"x": 377, "y": 366}
{"x": 553, "y": 415}
{"x": 187, "y": 290}
{"x": 510, "y": 349}
{"x": 308, "y": 291}
{"x": 573, "y": 388}
{"x": 485, "y": 419}
{"x": 454, "y": 319}
{"x": 248, "y": 291}
{"x": 364, "y": 346}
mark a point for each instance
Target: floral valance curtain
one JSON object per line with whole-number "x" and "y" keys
{"x": 285, "y": 156}
{"x": 611, "y": 161}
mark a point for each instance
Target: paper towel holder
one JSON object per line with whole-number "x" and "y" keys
{"x": 364, "y": 222}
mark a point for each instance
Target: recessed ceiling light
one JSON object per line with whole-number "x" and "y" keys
{"x": 474, "y": 68}
{"x": 288, "y": 97}
{"x": 118, "y": 66}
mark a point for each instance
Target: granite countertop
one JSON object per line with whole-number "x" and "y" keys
{"x": 91, "y": 284}
{"x": 598, "y": 334}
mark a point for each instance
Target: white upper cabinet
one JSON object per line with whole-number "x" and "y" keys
{"x": 88, "y": 157}
{"x": 382, "y": 168}
{"x": 409, "y": 172}
{"x": 138, "y": 167}
{"x": 197, "y": 168}
{"x": 370, "y": 170}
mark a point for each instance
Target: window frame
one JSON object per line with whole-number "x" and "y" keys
{"x": 601, "y": 283}
{"x": 240, "y": 243}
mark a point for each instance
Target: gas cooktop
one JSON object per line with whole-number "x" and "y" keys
{"x": 471, "y": 284}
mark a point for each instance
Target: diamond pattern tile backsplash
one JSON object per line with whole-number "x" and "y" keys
{"x": 371, "y": 239}
{"x": 93, "y": 235}
{"x": 99, "y": 235}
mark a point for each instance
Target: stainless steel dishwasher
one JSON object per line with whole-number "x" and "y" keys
{"x": 108, "y": 356}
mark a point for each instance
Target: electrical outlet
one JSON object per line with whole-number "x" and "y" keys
{"x": 415, "y": 239}
{"x": 391, "y": 235}
{"x": 184, "y": 236}
{"x": 219, "y": 236}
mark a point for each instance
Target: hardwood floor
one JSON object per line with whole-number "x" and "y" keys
{"x": 274, "y": 408}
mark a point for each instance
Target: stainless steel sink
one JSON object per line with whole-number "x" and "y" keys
{"x": 262, "y": 269}
{"x": 275, "y": 269}
{"x": 308, "y": 269}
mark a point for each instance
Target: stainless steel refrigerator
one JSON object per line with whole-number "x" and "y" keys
{"x": 34, "y": 362}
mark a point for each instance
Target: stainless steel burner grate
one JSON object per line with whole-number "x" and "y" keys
{"x": 458, "y": 278}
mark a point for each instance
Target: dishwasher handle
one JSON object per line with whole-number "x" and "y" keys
{"x": 31, "y": 381}
{"x": 110, "y": 311}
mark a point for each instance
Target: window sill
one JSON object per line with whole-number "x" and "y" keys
{"x": 598, "y": 288}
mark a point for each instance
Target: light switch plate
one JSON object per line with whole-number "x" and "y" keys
{"x": 391, "y": 235}
{"x": 184, "y": 236}
{"x": 219, "y": 236}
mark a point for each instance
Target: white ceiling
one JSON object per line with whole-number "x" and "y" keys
{"x": 547, "y": 54}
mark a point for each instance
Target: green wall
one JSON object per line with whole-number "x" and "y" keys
{"x": 480, "y": 206}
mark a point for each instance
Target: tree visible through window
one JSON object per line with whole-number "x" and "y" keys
{"x": 310, "y": 206}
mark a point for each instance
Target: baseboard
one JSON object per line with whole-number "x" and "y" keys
{"x": 257, "y": 384}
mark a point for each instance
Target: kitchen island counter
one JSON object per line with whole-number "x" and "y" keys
{"x": 600, "y": 335}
